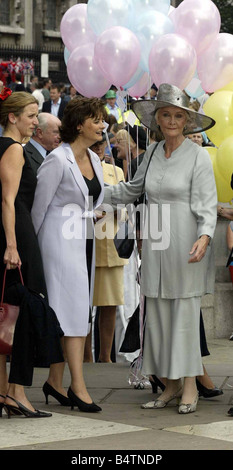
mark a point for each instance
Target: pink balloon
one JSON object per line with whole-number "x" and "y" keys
{"x": 215, "y": 65}
{"x": 83, "y": 73}
{"x": 117, "y": 52}
{"x": 74, "y": 27}
{"x": 172, "y": 60}
{"x": 141, "y": 87}
{"x": 198, "y": 21}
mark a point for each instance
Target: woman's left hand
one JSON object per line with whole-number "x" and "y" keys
{"x": 199, "y": 249}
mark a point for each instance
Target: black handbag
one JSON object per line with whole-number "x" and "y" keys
{"x": 125, "y": 236}
{"x": 124, "y": 240}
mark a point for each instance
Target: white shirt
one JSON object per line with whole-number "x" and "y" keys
{"x": 55, "y": 107}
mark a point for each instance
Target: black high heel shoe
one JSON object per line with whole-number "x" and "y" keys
{"x": 230, "y": 412}
{"x": 2, "y": 405}
{"x": 208, "y": 392}
{"x": 21, "y": 409}
{"x": 49, "y": 390}
{"x": 87, "y": 407}
{"x": 155, "y": 383}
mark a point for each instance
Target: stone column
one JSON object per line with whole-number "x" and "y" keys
{"x": 28, "y": 21}
{"x": 218, "y": 308}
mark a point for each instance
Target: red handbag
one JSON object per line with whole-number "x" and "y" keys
{"x": 8, "y": 317}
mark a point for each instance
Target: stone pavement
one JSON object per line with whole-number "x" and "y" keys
{"x": 122, "y": 424}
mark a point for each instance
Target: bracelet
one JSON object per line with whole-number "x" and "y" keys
{"x": 220, "y": 210}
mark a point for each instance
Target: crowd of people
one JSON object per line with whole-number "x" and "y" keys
{"x": 67, "y": 163}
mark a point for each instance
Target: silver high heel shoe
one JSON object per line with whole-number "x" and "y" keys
{"x": 188, "y": 408}
{"x": 161, "y": 403}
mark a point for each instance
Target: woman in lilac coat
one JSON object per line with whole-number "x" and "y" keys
{"x": 70, "y": 186}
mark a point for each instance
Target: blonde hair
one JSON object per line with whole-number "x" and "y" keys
{"x": 124, "y": 135}
{"x": 15, "y": 103}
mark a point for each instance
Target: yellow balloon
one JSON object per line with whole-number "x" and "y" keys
{"x": 224, "y": 191}
{"x": 228, "y": 87}
{"x": 224, "y": 159}
{"x": 219, "y": 106}
{"x": 212, "y": 151}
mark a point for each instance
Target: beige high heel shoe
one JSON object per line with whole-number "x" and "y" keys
{"x": 161, "y": 403}
{"x": 189, "y": 407}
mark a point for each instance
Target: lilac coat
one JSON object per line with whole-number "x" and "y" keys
{"x": 59, "y": 215}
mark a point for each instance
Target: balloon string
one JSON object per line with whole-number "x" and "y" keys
{"x": 113, "y": 161}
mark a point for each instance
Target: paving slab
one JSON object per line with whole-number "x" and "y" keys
{"x": 123, "y": 424}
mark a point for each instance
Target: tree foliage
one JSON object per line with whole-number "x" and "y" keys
{"x": 225, "y": 8}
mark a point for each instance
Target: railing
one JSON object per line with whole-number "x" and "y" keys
{"x": 57, "y": 66}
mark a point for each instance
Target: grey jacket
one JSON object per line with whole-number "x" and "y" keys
{"x": 182, "y": 206}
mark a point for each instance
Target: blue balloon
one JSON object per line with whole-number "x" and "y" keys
{"x": 105, "y": 14}
{"x": 142, "y": 6}
{"x": 134, "y": 79}
{"x": 66, "y": 55}
{"x": 148, "y": 29}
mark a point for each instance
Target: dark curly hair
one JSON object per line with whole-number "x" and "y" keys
{"x": 76, "y": 112}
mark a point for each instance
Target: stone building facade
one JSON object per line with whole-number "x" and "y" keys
{"x": 34, "y": 23}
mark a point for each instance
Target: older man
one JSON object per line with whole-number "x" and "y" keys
{"x": 46, "y": 137}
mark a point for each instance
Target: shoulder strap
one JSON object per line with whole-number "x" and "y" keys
{"x": 151, "y": 155}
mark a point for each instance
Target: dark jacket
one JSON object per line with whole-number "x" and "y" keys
{"x": 34, "y": 156}
{"x": 47, "y": 108}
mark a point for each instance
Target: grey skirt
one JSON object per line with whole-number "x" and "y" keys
{"x": 172, "y": 338}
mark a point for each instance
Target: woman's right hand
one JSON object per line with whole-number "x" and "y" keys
{"x": 12, "y": 258}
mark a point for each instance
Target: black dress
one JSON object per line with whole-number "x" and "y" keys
{"x": 27, "y": 244}
{"x": 37, "y": 332}
{"x": 94, "y": 191}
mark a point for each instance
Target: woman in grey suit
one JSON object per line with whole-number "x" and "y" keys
{"x": 70, "y": 186}
{"x": 180, "y": 221}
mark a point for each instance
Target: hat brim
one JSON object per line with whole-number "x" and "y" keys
{"x": 145, "y": 111}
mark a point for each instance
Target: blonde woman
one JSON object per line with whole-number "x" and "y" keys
{"x": 18, "y": 242}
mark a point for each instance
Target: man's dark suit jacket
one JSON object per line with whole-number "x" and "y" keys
{"x": 47, "y": 108}
{"x": 34, "y": 156}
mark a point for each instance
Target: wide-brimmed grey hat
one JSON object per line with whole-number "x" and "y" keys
{"x": 170, "y": 95}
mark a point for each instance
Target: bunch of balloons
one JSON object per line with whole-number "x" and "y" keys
{"x": 220, "y": 107}
{"x": 134, "y": 43}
